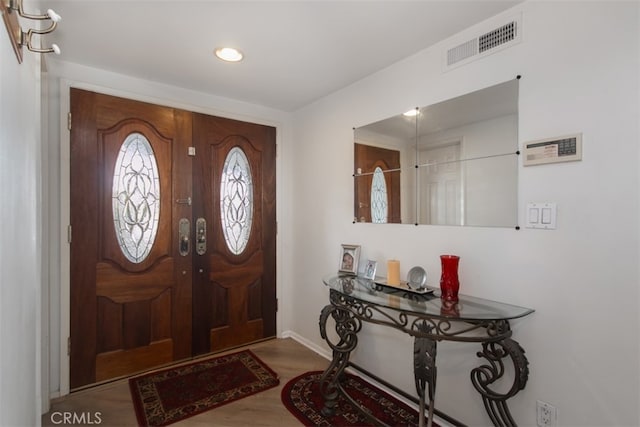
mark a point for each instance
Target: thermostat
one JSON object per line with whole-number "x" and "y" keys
{"x": 553, "y": 150}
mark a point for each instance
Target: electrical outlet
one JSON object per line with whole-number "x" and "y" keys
{"x": 546, "y": 414}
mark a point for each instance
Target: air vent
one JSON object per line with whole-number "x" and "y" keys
{"x": 488, "y": 42}
{"x": 463, "y": 51}
{"x": 499, "y": 36}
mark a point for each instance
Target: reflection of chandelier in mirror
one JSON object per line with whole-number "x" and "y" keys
{"x": 19, "y": 38}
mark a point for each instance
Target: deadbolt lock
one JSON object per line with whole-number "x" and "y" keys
{"x": 201, "y": 236}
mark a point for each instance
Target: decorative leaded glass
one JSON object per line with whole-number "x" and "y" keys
{"x": 379, "y": 204}
{"x": 236, "y": 200}
{"x": 136, "y": 197}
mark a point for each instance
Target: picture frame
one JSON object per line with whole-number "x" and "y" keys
{"x": 349, "y": 259}
{"x": 370, "y": 270}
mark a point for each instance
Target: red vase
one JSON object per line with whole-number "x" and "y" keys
{"x": 449, "y": 283}
{"x": 450, "y": 309}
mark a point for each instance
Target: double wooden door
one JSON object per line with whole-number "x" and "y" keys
{"x": 172, "y": 235}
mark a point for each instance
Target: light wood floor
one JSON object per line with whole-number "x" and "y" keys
{"x": 286, "y": 357}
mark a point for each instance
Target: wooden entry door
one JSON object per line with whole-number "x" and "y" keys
{"x": 234, "y": 280}
{"x": 366, "y": 159}
{"x": 132, "y": 289}
{"x": 130, "y": 310}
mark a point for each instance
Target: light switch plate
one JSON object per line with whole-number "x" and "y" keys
{"x": 541, "y": 215}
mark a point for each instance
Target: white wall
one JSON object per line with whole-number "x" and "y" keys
{"x": 20, "y": 257}
{"x": 63, "y": 75}
{"x": 580, "y": 71}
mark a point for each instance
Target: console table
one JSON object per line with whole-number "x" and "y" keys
{"x": 354, "y": 300}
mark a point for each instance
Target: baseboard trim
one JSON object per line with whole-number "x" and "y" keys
{"x": 309, "y": 344}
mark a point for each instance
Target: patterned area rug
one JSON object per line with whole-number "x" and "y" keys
{"x": 302, "y": 398}
{"x": 171, "y": 395}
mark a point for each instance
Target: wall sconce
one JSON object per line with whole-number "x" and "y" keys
{"x": 11, "y": 9}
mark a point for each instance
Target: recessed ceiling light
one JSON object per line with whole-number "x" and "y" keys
{"x": 229, "y": 54}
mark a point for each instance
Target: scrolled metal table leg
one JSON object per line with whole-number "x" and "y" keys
{"x": 425, "y": 372}
{"x": 484, "y": 376}
{"x": 347, "y": 327}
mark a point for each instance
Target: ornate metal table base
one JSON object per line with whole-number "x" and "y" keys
{"x": 347, "y": 327}
{"x": 484, "y": 376}
{"x": 348, "y": 313}
{"x": 425, "y": 371}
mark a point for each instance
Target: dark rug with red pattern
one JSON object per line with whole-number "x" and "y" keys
{"x": 171, "y": 395}
{"x": 303, "y": 399}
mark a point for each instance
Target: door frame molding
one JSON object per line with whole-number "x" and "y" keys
{"x": 64, "y": 248}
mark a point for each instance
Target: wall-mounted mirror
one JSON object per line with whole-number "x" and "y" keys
{"x": 452, "y": 163}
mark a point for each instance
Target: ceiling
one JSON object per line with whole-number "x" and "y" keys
{"x": 485, "y": 104}
{"x": 295, "y": 51}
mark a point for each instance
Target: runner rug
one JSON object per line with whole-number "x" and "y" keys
{"x": 171, "y": 395}
{"x": 303, "y": 399}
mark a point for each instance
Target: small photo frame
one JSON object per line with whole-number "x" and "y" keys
{"x": 370, "y": 270}
{"x": 349, "y": 258}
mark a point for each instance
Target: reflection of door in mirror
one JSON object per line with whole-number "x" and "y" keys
{"x": 366, "y": 160}
{"x": 441, "y": 195}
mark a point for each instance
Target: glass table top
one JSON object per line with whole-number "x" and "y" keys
{"x": 467, "y": 308}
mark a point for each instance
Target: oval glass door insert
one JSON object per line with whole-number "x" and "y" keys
{"x": 136, "y": 197}
{"x": 379, "y": 205}
{"x": 236, "y": 200}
